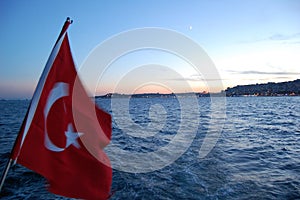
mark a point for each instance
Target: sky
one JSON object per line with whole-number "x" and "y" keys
{"x": 255, "y": 41}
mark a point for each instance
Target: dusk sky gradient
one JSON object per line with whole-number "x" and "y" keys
{"x": 249, "y": 41}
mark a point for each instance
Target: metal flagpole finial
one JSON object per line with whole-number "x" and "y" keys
{"x": 64, "y": 28}
{"x": 69, "y": 20}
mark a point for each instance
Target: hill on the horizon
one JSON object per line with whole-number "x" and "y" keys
{"x": 289, "y": 88}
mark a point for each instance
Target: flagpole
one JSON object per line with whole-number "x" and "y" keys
{"x": 5, "y": 173}
{"x": 38, "y": 89}
{"x": 12, "y": 161}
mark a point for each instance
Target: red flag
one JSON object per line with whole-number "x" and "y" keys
{"x": 64, "y": 132}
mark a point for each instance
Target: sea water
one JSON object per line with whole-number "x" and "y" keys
{"x": 256, "y": 156}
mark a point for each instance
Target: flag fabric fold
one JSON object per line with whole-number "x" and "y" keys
{"x": 66, "y": 150}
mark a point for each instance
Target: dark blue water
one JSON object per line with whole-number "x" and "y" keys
{"x": 256, "y": 157}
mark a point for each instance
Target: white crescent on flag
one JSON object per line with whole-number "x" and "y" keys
{"x": 59, "y": 90}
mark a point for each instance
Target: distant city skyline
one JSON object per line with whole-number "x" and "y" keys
{"x": 248, "y": 41}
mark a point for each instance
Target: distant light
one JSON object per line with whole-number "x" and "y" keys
{"x": 190, "y": 27}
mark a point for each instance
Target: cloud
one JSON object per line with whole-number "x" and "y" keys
{"x": 292, "y": 38}
{"x": 284, "y": 37}
{"x": 254, "y": 72}
{"x": 195, "y": 79}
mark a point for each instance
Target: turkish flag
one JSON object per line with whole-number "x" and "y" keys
{"x": 64, "y": 132}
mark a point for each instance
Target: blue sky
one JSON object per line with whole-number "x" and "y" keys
{"x": 249, "y": 41}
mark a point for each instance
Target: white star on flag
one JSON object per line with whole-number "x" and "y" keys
{"x": 72, "y": 137}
